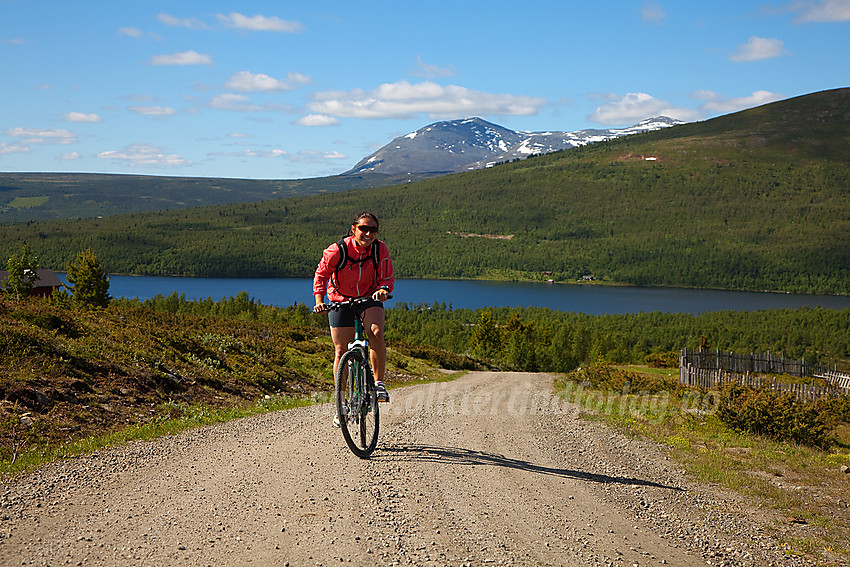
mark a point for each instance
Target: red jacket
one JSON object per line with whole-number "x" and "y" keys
{"x": 356, "y": 279}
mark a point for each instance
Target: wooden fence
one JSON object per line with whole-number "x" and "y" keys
{"x": 713, "y": 378}
{"x": 742, "y": 363}
{"x": 837, "y": 379}
{"x": 712, "y": 369}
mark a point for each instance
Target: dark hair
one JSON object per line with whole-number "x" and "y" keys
{"x": 364, "y": 215}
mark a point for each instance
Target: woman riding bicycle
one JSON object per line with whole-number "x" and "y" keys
{"x": 358, "y": 265}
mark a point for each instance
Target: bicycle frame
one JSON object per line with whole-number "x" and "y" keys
{"x": 359, "y": 388}
{"x": 360, "y": 341}
{"x": 355, "y": 396}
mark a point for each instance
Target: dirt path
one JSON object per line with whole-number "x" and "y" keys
{"x": 490, "y": 469}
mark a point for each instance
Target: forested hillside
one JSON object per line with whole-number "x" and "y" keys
{"x": 754, "y": 200}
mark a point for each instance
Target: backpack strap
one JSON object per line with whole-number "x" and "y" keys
{"x": 374, "y": 255}
{"x": 343, "y": 254}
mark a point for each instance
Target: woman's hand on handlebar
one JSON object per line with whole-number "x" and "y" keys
{"x": 321, "y": 307}
{"x": 381, "y": 295}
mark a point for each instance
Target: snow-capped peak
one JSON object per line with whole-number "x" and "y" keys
{"x": 472, "y": 143}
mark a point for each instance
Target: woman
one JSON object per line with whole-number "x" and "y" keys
{"x": 366, "y": 271}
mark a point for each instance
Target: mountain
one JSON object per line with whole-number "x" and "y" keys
{"x": 453, "y": 146}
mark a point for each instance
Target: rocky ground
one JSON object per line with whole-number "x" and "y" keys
{"x": 489, "y": 469}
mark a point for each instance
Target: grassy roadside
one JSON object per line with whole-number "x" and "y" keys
{"x": 174, "y": 418}
{"x": 74, "y": 381}
{"x": 800, "y": 491}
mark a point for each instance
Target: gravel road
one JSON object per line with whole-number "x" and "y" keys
{"x": 489, "y": 469}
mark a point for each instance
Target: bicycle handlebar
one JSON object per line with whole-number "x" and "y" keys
{"x": 337, "y": 305}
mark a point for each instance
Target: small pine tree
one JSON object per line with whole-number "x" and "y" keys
{"x": 89, "y": 282}
{"x": 486, "y": 340}
{"x": 22, "y": 274}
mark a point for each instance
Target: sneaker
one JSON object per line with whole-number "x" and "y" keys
{"x": 336, "y": 420}
{"x": 381, "y": 392}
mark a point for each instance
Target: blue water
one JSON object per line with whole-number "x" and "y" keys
{"x": 590, "y": 299}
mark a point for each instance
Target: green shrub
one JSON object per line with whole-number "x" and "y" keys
{"x": 610, "y": 378}
{"x": 442, "y": 358}
{"x": 778, "y": 415}
{"x": 834, "y": 410}
{"x": 662, "y": 359}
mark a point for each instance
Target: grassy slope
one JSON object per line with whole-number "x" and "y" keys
{"x": 68, "y": 374}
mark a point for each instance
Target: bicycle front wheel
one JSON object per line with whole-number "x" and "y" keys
{"x": 356, "y": 404}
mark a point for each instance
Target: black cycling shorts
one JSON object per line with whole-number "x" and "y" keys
{"x": 344, "y": 317}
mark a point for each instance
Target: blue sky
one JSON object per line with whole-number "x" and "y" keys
{"x": 283, "y": 90}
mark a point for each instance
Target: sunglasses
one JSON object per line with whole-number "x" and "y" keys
{"x": 367, "y": 228}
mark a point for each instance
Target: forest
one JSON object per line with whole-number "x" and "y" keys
{"x": 541, "y": 339}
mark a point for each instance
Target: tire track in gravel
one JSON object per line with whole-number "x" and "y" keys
{"x": 488, "y": 469}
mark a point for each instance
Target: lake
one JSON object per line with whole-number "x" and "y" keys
{"x": 585, "y": 298}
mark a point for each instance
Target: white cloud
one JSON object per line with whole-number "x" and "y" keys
{"x": 190, "y": 23}
{"x": 158, "y": 111}
{"x": 13, "y": 148}
{"x": 634, "y": 107}
{"x": 704, "y": 95}
{"x": 259, "y": 23}
{"x": 237, "y": 102}
{"x": 758, "y": 48}
{"x": 132, "y": 32}
{"x": 184, "y": 58}
{"x": 46, "y": 136}
{"x": 317, "y": 120}
{"x": 70, "y": 156}
{"x": 81, "y": 117}
{"x": 14, "y": 41}
{"x": 245, "y": 81}
{"x": 821, "y": 11}
{"x": 264, "y": 153}
{"x": 313, "y": 156}
{"x": 423, "y": 69}
{"x": 652, "y": 12}
{"x": 725, "y": 106}
{"x": 144, "y": 155}
{"x": 303, "y": 156}
{"x": 405, "y": 100}
{"x": 137, "y": 33}
{"x": 140, "y": 97}
{"x": 243, "y": 103}
{"x": 299, "y": 78}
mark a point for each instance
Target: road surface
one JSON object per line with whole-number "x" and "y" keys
{"x": 488, "y": 469}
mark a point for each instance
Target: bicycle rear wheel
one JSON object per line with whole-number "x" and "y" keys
{"x": 356, "y": 404}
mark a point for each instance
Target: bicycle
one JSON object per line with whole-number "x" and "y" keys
{"x": 354, "y": 388}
